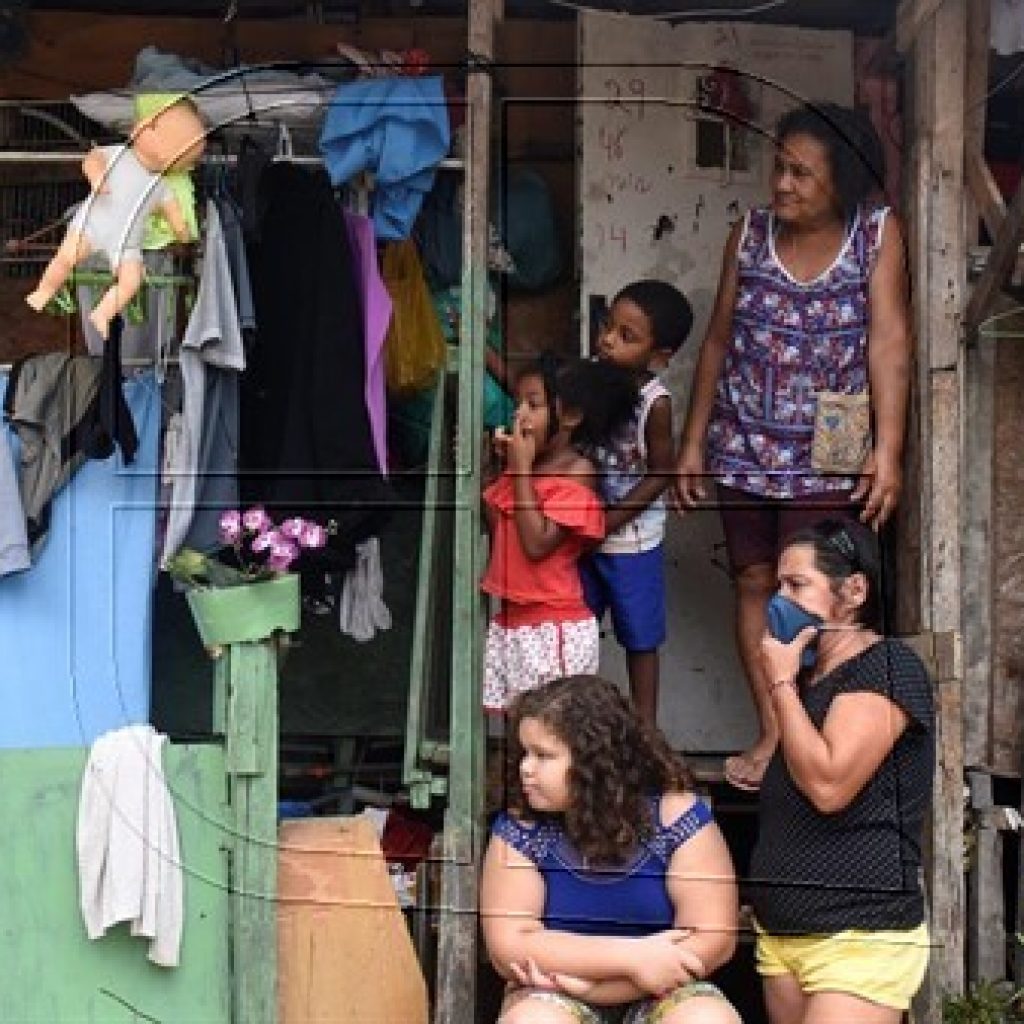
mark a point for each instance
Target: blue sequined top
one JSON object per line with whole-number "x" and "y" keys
{"x": 631, "y": 899}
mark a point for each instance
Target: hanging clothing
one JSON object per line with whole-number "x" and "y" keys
{"x": 376, "y": 317}
{"x": 306, "y": 445}
{"x": 398, "y": 129}
{"x": 362, "y": 611}
{"x": 129, "y": 861}
{"x": 76, "y": 630}
{"x": 150, "y": 339}
{"x": 202, "y": 469}
{"x": 234, "y": 247}
{"x": 66, "y": 409}
{"x": 13, "y": 536}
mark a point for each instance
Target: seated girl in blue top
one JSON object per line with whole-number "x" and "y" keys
{"x": 608, "y": 893}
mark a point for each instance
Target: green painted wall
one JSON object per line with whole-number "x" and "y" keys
{"x": 50, "y": 973}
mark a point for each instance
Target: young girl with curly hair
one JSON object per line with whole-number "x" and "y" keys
{"x": 544, "y": 512}
{"x": 608, "y": 893}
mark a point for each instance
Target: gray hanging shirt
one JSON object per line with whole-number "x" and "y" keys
{"x": 204, "y": 464}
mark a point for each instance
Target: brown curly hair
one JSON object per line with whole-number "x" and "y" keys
{"x": 617, "y": 762}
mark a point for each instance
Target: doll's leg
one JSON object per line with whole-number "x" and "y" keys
{"x": 128, "y": 280}
{"x": 71, "y": 251}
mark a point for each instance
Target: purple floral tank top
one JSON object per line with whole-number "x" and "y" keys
{"x": 790, "y": 340}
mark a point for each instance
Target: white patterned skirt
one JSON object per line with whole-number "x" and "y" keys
{"x": 520, "y": 658}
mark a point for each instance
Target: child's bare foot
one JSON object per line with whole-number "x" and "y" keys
{"x": 37, "y": 300}
{"x": 100, "y": 322}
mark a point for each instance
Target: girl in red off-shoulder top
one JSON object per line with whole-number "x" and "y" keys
{"x": 544, "y": 513}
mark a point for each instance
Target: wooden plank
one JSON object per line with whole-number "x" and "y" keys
{"x": 946, "y": 862}
{"x": 940, "y": 270}
{"x": 943, "y": 497}
{"x": 977, "y": 561}
{"x": 947, "y": 248}
{"x": 253, "y": 798}
{"x": 1018, "y": 946}
{"x": 912, "y": 14}
{"x": 985, "y": 192}
{"x": 457, "y": 939}
{"x": 986, "y": 923}
{"x": 1008, "y": 542}
{"x": 980, "y": 200}
{"x": 70, "y": 52}
{"x": 920, "y": 88}
{"x": 1001, "y": 260}
{"x": 345, "y": 955}
{"x": 979, "y": 413}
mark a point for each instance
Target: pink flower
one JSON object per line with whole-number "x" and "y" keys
{"x": 230, "y": 526}
{"x": 282, "y": 554}
{"x": 282, "y": 547}
{"x": 313, "y": 535}
{"x": 278, "y": 563}
{"x": 292, "y": 528}
{"x": 265, "y": 540}
{"x": 256, "y": 520}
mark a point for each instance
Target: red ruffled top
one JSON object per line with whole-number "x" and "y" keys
{"x": 548, "y": 589}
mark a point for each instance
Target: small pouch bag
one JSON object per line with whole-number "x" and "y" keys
{"x": 842, "y": 432}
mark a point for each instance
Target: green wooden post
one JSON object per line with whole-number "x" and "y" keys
{"x": 245, "y": 689}
{"x": 457, "y": 941}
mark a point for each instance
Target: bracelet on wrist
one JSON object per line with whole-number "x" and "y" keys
{"x": 773, "y": 688}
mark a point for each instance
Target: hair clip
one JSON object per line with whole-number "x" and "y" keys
{"x": 842, "y": 542}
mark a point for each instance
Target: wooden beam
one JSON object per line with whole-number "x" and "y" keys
{"x": 937, "y": 87}
{"x": 977, "y": 569}
{"x": 1000, "y": 261}
{"x": 979, "y": 414}
{"x": 985, "y": 192}
{"x": 986, "y": 946}
{"x": 912, "y": 14}
{"x": 457, "y": 960}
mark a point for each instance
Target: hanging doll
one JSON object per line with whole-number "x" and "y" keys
{"x": 127, "y": 186}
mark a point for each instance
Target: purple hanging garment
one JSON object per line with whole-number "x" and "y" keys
{"x": 376, "y": 317}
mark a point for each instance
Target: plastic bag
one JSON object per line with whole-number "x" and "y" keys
{"x": 414, "y": 350}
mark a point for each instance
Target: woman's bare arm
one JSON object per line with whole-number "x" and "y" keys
{"x": 889, "y": 362}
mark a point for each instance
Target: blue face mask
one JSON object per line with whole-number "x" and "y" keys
{"x": 785, "y": 620}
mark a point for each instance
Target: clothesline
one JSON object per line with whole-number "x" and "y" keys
{"x": 137, "y": 363}
{"x": 211, "y": 159}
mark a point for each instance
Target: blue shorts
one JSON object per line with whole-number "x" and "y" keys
{"x": 632, "y": 588}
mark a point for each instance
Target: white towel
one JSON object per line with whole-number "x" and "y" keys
{"x": 129, "y": 864}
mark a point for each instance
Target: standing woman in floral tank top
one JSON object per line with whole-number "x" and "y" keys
{"x": 799, "y": 397}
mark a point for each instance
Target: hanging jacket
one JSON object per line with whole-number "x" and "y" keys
{"x": 397, "y": 128}
{"x": 66, "y": 409}
{"x": 306, "y": 446}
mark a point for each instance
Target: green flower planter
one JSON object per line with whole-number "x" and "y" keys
{"x": 253, "y": 611}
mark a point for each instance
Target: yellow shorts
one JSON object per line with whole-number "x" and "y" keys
{"x": 885, "y": 967}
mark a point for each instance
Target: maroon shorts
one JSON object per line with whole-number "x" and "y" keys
{"x": 756, "y": 526}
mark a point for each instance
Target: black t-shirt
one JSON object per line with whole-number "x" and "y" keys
{"x": 815, "y": 873}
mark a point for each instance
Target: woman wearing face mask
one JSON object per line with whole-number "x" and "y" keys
{"x": 835, "y": 874}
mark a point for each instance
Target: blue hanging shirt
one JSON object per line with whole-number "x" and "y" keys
{"x": 398, "y": 129}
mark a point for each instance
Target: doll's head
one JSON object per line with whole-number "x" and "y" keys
{"x": 171, "y": 138}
